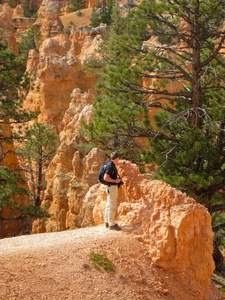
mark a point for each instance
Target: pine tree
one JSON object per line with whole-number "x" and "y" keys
{"x": 13, "y": 81}
{"x": 180, "y": 73}
{"x": 77, "y": 5}
{"x": 94, "y": 18}
{"x": 30, "y": 41}
{"x": 103, "y": 14}
{"x": 36, "y": 152}
{"x": 25, "y": 7}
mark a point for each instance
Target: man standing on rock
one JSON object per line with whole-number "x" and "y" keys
{"x": 112, "y": 178}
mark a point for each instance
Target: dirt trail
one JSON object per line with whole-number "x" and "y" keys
{"x": 57, "y": 266}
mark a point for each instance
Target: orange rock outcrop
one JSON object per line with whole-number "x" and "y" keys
{"x": 72, "y": 176}
{"x": 58, "y": 69}
{"x": 48, "y": 22}
{"x": 19, "y": 22}
{"x": 175, "y": 227}
{"x": 6, "y": 13}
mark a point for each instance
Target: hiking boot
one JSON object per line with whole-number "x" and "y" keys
{"x": 115, "y": 227}
{"x": 107, "y": 225}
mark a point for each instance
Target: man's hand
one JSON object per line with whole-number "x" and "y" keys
{"x": 109, "y": 179}
{"x": 118, "y": 180}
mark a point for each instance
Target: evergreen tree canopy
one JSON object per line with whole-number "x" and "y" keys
{"x": 13, "y": 82}
{"x": 103, "y": 13}
{"x": 30, "y": 41}
{"x": 76, "y": 5}
{"x": 36, "y": 153}
{"x": 170, "y": 59}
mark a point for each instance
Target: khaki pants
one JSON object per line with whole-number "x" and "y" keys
{"x": 111, "y": 205}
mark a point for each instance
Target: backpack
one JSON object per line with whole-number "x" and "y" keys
{"x": 102, "y": 173}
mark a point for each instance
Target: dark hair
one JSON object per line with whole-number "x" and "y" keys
{"x": 114, "y": 155}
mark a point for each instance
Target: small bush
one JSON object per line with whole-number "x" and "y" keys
{"x": 101, "y": 262}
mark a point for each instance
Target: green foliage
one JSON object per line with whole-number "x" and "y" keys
{"x": 10, "y": 3}
{"x": 29, "y": 10}
{"x": 79, "y": 13}
{"x": 13, "y": 83}
{"x": 103, "y": 14}
{"x": 12, "y": 184}
{"x": 101, "y": 261}
{"x": 36, "y": 152}
{"x": 182, "y": 79}
{"x": 98, "y": 5}
{"x": 94, "y": 18}
{"x": 30, "y": 41}
{"x": 77, "y": 5}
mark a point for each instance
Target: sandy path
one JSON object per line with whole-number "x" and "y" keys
{"x": 56, "y": 265}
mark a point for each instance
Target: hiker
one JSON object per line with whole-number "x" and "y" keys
{"x": 113, "y": 181}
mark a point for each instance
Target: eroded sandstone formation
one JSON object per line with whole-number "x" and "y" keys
{"x": 72, "y": 176}
{"x": 175, "y": 227}
{"x": 48, "y": 23}
{"x": 6, "y": 13}
{"x": 58, "y": 69}
{"x": 19, "y": 22}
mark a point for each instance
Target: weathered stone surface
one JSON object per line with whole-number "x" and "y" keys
{"x": 72, "y": 176}
{"x": 58, "y": 69}
{"x": 6, "y": 13}
{"x": 18, "y": 12}
{"x": 20, "y": 23}
{"x": 176, "y": 228}
{"x": 48, "y": 22}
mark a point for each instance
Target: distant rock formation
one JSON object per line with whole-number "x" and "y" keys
{"x": 58, "y": 69}
{"x": 6, "y": 13}
{"x": 19, "y": 22}
{"x": 48, "y": 23}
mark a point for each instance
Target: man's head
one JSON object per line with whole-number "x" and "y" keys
{"x": 114, "y": 156}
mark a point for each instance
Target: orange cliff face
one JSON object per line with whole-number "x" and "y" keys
{"x": 58, "y": 69}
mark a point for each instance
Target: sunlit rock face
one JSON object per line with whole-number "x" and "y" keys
{"x": 72, "y": 176}
{"x": 175, "y": 227}
{"x": 6, "y": 13}
{"x": 58, "y": 69}
{"x": 20, "y": 23}
{"x": 48, "y": 23}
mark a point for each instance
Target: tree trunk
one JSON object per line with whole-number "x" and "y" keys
{"x": 196, "y": 63}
